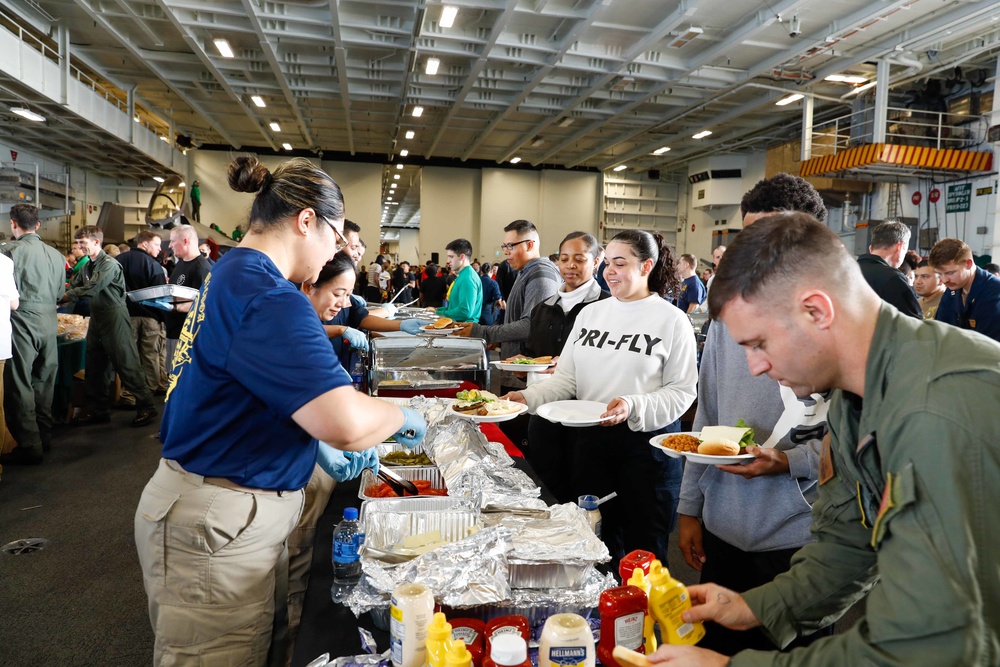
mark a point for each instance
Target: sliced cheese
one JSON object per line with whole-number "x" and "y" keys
{"x": 714, "y": 433}
{"x": 420, "y": 539}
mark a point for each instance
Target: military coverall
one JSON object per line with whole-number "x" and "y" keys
{"x": 109, "y": 338}
{"x": 908, "y": 491}
{"x": 31, "y": 373}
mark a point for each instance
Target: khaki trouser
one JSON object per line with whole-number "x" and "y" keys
{"x": 212, "y": 560}
{"x": 300, "y": 549}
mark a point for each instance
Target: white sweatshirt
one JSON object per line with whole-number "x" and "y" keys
{"x": 642, "y": 351}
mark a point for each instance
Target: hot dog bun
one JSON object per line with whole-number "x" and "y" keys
{"x": 719, "y": 447}
{"x": 630, "y": 657}
{"x": 442, "y": 322}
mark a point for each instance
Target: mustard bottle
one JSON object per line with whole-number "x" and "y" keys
{"x": 438, "y": 640}
{"x": 458, "y": 655}
{"x": 639, "y": 580}
{"x": 668, "y": 599}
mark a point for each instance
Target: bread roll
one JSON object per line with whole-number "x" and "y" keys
{"x": 719, "y": 447}
{"x": 442, "y": 322}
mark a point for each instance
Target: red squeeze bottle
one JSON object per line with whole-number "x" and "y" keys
{"x": 623, "y": 614}
{"x": 472, "y": 631}
{"x": 507, "y": 624}
{"x": 632, "y": 560}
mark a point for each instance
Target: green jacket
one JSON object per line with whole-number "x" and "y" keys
{"x": 39, "y": 274}
{"x": 465, "y": 300}
{"x": 106, "y": 287}
{"x": 910, "y": 506}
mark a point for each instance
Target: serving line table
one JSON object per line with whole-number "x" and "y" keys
{"x": 328, "y": 627}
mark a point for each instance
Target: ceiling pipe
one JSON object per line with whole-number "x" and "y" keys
{"x": 913, "y": 66}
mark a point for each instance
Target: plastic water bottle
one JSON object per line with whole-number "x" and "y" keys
{"x": 358, "y": 375}
{"x": 347, "y": 541}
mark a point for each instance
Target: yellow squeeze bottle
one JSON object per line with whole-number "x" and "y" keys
{"x": 438, "y": 640}
{"x": 668, "y": 599}
{"x": 639, "y": 580}
{"x": 458, "y": 655}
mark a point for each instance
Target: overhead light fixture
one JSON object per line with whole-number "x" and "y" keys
{"x": 225, "y": 50}
{"x": 701, "y": 135}
{"x": 448, "y": 14}
{"x": 136, "y": 118}
{"x": 404, "y": 153}
{"x": 395, "y": 176}
{"x": 661, "y": 151}
{"x": 410, "y": 134}
{"x": 183, "y": 184}
{"x": 274, "y": 126}
{"x": 685, "y": 37}
{"x": 392, "y": 186}
{"x": 158, "y": 179}
{"x": 621, "y": 167}
{"x": 515, "y": 160}
{"x": 418, "y": 112}
{"x": 399, "y": 166}
{"x": 28, "y": 114}
{"x": 164, "y": 139}
{"x": 258, "y": 100}
{"x": 287, "y": 146}
{"x": 388, "y": 198}
{"x": 847, "y": 78}
{"x": 788, "y": 99}
{"x": 432, "y": 66}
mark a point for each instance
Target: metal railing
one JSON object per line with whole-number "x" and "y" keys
{"x": 904, "y": 127}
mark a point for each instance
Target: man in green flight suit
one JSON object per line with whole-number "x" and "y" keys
{"x": 109, "y": 337}
{"x": 31, "y": 373}
{"x": 196, "y": 201}
{"x": 908, "y": 475}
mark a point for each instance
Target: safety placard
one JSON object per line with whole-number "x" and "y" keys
{"x": 959, "y": 198}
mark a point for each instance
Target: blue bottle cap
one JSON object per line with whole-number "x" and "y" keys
{"x": 350, "y": 513}
{"x": 587, "y": 502}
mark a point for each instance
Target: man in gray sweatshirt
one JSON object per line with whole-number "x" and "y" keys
{"x": 741, "y": 525}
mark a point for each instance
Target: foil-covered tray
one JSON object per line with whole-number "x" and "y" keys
{"x": 526, "y": 574}
{"x": 387, "y": 523}
{"x": 177, "y": 293}
{"x": 430, "y": 473}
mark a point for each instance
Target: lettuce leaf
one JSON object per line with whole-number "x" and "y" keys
{"x": 747, "y": 439}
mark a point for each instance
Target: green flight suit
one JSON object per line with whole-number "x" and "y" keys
{"x": 110, "y": 338}
{"x": 30, "y": 375}
{"x": 907, "y": 500}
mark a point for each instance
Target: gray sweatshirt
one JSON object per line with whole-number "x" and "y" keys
{"x": 767, "y": 512}
{"x": 536, "y": 281}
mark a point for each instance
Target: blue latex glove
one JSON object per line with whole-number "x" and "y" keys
{"x": 343, "y": 466}
{"x": 413, "y": 430}
{"x": 356, "y": 339}
{"x": 390, "y": 310}
{"x": 163, "y": 303}
{"x": 413, "y": 326}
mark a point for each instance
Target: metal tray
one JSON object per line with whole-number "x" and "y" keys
{"x": 387, "y": 447}
{"x": 176, "y": 293}
{"x": 430, "y": 473}
{"x": 386, "y": 523}
{"x": 526, "y": 574}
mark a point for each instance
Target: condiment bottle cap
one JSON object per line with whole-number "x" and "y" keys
{"x": 508, "y": 650}
{"x": 587, "y": 502}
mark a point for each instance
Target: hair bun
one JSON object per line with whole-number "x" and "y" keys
{"x": 248, "y": 174}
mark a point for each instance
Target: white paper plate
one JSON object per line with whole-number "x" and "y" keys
{"x": 521, "y": 368}
{"x": 672, "y": 453}
{"x": 431, "y": 331}
{"x": 492, "y": 419}
{"x": 574, "y": 413}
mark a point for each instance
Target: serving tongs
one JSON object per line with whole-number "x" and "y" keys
{"x": 517, "y": 511}
{"x": 384, "y": 555}
{"x": 399, "y": 485}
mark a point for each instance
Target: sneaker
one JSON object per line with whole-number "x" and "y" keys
{"x": 143, "y": 417}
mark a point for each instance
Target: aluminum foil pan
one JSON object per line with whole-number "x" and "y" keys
{"x": 385, "y": 528}
{"x": 429, "y": 473}
{"x": 564, "y": 538}
{"x": 526, "y": 574}
{"x": 389, "y": 447}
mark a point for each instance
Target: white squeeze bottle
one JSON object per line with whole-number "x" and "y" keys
{"x": 566, "y": 641}
{"x": 410, "y": 613}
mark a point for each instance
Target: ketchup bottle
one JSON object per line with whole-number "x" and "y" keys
{"x": 632, "y": 560}
{"x": 623, "y": 616}
{"x": 507, "y": 650}
{"x": 501, "y": 625}
{"x": 471, "y": 631}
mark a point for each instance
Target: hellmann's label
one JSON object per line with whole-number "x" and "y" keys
{"x": 628, "y": 630}
{"x": 568, "y": 656}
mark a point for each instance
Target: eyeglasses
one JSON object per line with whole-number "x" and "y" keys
{"x": 507, "y": 247}
{"x": 342, "y": 241}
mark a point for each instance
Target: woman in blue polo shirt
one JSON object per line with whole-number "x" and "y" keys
{"x": 254, "y": 386}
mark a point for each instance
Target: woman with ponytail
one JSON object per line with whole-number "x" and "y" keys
{"x": 635, "y": 353}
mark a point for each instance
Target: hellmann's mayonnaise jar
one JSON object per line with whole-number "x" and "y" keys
{"x": 410, "y": 613}
{"x": 566, "y": 641}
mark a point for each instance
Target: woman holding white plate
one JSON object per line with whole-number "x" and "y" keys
{"x": 636, "y": 354}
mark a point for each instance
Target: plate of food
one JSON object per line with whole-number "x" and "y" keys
{"x": 442, "y": 326}
{"x": 574, "y": 413}
{"x": 713, "y": 445}
{"x": 524, "y": 364}
{"x": 484, "y": 406}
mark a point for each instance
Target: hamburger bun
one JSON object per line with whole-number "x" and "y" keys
{"x": 442, "y": 322}
{"x": 543, "y": 360}
{"x": 719, "y": 447}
